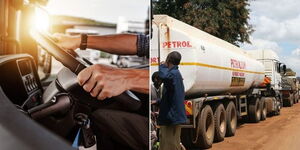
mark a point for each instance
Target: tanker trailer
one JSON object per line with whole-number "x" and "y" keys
{"x": 221, "y": 80}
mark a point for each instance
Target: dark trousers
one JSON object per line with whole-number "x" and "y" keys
{"x": 120, "y": 130}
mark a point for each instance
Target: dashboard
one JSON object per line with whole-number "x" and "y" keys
{"x": 20, "y": 81}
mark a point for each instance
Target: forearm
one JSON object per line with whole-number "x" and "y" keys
{"x": 137, "y": 80}
{"x": 121, "y": 44}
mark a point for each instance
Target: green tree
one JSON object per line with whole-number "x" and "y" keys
{"x": 226, "y": 19}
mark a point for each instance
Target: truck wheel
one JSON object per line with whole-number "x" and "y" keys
{"x": 278, "y": 107}
{"x": 231, "y": 119}
{"x": 290, "y": 101}
{"x": 263, "y": 109}
{"x": 187, "y": 136}
{"x": 295, "y": 99}
{"x": 254, "y": 110}
{"x": 206, "y": 128}
{"x": 220, "y": 122}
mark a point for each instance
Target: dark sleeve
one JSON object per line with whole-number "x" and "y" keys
{"x": 164, "y": 72}
{"x": 158, "y": 101}
{"x": 142, "y": 45}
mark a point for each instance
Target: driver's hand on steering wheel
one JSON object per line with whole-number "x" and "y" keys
{"x": 66, "y": 41}
{"x": 103, "y": 81}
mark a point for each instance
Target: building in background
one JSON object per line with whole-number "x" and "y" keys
{"x": 129, "y": 26}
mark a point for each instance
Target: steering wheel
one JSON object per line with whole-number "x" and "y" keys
{"x": 77, "y": 64}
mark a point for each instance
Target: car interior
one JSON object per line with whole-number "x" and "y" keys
{"x": 39, "y": 114}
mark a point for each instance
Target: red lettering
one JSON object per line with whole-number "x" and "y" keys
{"x": 154, "y": 60}
{"x": 183, "y": 44}
{"x": 164, "y": 44}
{"x": 178, "y": 44}
{"x": 238, "y": 74}
{"x": 237, "y": 64}
{"x": 188, "y": 44}
{"x": 174, "y": 44}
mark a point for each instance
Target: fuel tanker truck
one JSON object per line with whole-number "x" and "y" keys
{"x": 290, "y": 90}
{"x": 222, "y": 82}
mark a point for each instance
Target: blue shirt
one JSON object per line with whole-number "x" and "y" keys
{"x": 172, "y": 110}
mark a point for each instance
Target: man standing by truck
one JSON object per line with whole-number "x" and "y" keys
{"x": 172, "y": 110}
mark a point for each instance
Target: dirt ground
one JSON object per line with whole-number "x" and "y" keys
{"x": 276, "y": 133}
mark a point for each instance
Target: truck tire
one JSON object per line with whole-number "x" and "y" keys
{"x": 254, "y": 113}
{"x": 295, "y": 98}
{"x": 263, "y": 109}
{"x": 278, "y": 107}
{"x": 187, "y": 136}
{"x": 290, "y": 101}
{"x": 231, "y": 119}
{"x": 220, "y": 122}
{"x": 206, "y": 128}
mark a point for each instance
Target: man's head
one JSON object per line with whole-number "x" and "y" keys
{"x": 156, "y": 80}
{"x": 173, "y": 58}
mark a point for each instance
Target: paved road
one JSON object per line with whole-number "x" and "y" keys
{"x": 276, "y": 133}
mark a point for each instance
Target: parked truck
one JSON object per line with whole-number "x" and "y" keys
{"x": 290, "y": 90}
{"x": 222, "y": 81}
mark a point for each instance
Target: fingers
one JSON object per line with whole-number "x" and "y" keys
{"x": 84, "y": 76}
{"x": 91, "y": 81}
{"x": 96, "y": 90}
{"x": 92, "y": 85}
{"x": 57, "y": 37}
{"x": 101, "y": 82}
{"x": 66, "y": 41}
{"x": 89, "y": 85}
{"x": 103, "y": 95}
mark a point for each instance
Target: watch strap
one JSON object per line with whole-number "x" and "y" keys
{"x": 83, "y": 42}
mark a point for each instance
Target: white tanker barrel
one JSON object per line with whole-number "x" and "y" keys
{"x": 209, "y": 65}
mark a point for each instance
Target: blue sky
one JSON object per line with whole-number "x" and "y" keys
{"x": 276, "y": 24}
{"x": 101, "y": 10}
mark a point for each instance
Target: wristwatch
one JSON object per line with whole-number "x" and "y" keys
{"x": 83, "y": 42}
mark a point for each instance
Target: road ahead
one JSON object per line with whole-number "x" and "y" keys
{"x": 276, "y": 133}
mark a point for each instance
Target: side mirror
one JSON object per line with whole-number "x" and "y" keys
{"x": 284, "y": 69}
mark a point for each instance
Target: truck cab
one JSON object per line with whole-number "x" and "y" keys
{"x": 290, "y": 90}
{"x": 274, "y": 68}
{"x": 276, "y": 71}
